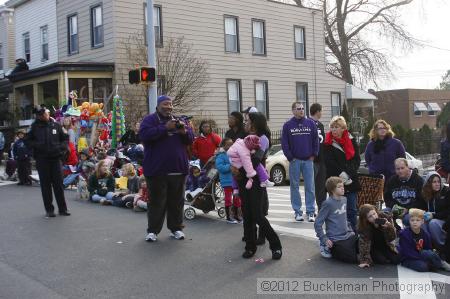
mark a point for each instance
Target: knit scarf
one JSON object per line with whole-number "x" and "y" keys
{"x": 344, "y": 141}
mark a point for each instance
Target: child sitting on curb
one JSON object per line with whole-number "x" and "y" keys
{"x": 125, "y": 198}
{"x": 415, "y": 246}
{"x": 339, "y": 241}
{"x": 101, "y": 184}
{"x": 141, "y": 199}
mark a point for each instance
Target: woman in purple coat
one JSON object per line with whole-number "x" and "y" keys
{"x": 383, "y": 149}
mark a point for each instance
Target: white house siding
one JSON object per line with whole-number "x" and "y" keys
{"x": 30, "y": 17}
{"x": 7, "y": 37}
{"x": 83, "y": 9}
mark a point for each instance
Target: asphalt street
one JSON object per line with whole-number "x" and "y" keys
{"x": 100, "y": 252}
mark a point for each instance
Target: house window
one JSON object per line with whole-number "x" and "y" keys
{"x": 262, "y": 97}
{"x": 302, "y": 95}
{"x": 335, "y": 104}
{"x": 81, "y": 86}
{"x": 26, "y": 46}
{"x": 419, "y": 107}
{"x": 299, "y": 36}
{"x": 231, "y": 34}
{"x": 1, "y": 57}
{"x": 73, "y": 34}
{"x": 259, "y": 37}
{"x": 96, "y": 26}
{"x": 102, "y": 89}
{"x": 44, "y": 43}
{"x": 157, "y": 24}
{"x": 433, "y": 108}
{"x": 234, "y": 95}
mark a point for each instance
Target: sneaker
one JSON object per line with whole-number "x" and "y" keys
{"x": 267, "y": 184}
{"x": 64, "y": 213}
{"x": 232, "y": 221}
{"x": 276, "y": 254}
{"x": 325, "y": 252}
{"x": 445, "y": 266}
{"x": 151, "y": 237}
{"x": 311, "y": 217}
{"x": 179, "y": 235}
{"x": 299, "y": 217}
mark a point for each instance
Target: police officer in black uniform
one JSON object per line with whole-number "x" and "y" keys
{"x": 49, "y": 143}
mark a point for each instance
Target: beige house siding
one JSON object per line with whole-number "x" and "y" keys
{"x": 201, "y": 22}
{"x": 85, "y": 53}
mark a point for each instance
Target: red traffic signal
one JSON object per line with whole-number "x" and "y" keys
{"x": 148, "y": 74}
{"x": 142, "y": 74}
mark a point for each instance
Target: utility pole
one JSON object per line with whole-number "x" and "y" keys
{"x": 153, "y": 86}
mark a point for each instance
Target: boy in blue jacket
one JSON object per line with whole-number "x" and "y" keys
{"x": 415, "y": 246}
{"x": 223, "y": 165}
{"x": 23, "y": 157}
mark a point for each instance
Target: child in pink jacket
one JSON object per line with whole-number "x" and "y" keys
{"x": 240, "y": 156}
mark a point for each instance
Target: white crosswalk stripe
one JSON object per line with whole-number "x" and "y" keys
{"x": 281, "y": 215}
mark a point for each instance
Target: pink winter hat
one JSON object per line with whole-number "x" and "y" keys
{"x": 252, "y": 142}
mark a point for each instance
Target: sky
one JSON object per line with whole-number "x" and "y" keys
{"x": 423, "y": 67}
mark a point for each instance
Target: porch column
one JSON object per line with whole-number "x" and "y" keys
{"x": 91, "y": 91}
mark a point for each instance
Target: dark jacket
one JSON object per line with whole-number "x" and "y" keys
{"x": 47, "y": 140}
{"x": 336, "y": 163}
{"x": 20, "y": 150}
{"x": 240, "y": 133}
{"x": 164, "y": 152}
{"x": 321, "y": 133}
{"x": 407, "y": 245}
{"x": 445, "y": 155}
{"x": 405, "y": 193}
{"x": 440, "y": 205}
{"x": 101, "y": 186}
{"x": 130, "y": 137}
{"x": 365, "y": 240}
{"x": 382, "y": 162}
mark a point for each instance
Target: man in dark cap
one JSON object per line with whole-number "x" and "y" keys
{"x": 165, "y": 141}
{"x": 48, "y": 142}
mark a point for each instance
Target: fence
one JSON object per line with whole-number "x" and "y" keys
{"x": 274, "y": 139}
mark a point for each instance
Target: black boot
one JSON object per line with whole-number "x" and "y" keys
{"x": 261, "y": 237}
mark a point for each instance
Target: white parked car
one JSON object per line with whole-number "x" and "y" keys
{"x": 277, "y": 166}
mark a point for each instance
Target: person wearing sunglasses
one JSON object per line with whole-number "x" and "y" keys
{"x": 300, "y": 144}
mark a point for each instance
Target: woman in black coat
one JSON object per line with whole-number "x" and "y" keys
{"x": 342, "y": 159}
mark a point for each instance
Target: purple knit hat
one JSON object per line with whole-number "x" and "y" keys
{"x": 163, "y": 98}
{"x": 252, "y": 142}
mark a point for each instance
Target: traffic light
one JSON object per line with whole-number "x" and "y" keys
{"x": 134, "y": 76}
{"x": 142, "y": 74}
{"x": 148, "y": 74}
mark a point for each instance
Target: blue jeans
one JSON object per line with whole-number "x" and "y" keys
{"x": 352, "y": 210}
{"x": 430, "y": 260}
{"x": 70, "y": 179}
{"x": 305, "y": 167}
{"x": 108, "y": 197}
{"x": 434, "y": 228}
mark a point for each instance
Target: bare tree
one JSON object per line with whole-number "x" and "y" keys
{"x": 182, "y": 73}
{"x": 349, "y": 25}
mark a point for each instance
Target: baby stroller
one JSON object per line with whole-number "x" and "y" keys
{"x": 208, "y": 198}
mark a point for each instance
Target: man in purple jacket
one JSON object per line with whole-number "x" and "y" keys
{"x": 165, "y": 140}
{"x": 300, "y": 144}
